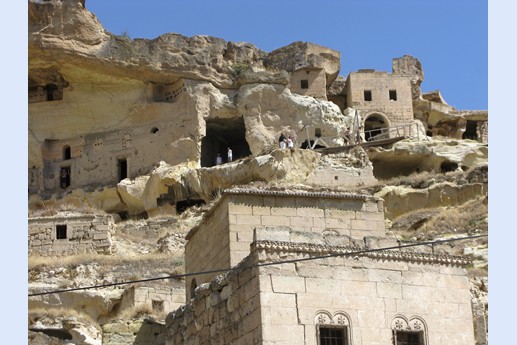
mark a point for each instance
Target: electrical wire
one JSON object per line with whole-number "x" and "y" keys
{"x": 176, "y": 276}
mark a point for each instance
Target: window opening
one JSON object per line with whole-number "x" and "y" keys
{"x": 67, "y": 153}
{"x": 193, "y": 286}
{"x": 304, "y": 84}
{"x": 154, "y": 130}
{"x": 317, "y": 132}
{"x": 61, "y": 232}
{"x": 393, "y": 95}
{"x": 332, "y": 336}
{"x": 367, "y": 95}
{"x": 64, "y": 177}
{"x": 51, "y": 92}
{"x": 122, "y": 169}
{"x": 408, "y": 338}
{"x": 157, "y": 305}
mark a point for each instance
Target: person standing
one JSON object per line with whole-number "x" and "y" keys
{"x": 282, "y": 141}
{"x": 218, "y": 159}
{"x": 230, "y": 155}
{"x": 290, "y": 142}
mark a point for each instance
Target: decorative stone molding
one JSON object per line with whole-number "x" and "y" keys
{"x": 324, "y": 317}
{"x": 394, "y": 255}
{"x": 414, "y": 324}
{"x": 241, "y": 191}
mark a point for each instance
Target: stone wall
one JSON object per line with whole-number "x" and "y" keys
{"x": 398, "y": 112}
{"x": 141, "y": 332}
{"x": 315, "y": 83}
{"x": 370, "y": 296}
{"x": 70, "y": 234}
{"x": 151, "y": 228}
{"x": 225, "y": 311}
{"x": 159, "y": 299}
{"x": 223, "y": 238}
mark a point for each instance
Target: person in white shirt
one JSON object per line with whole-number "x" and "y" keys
{"x": 230, "y": 155}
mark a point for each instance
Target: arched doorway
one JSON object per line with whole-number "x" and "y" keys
{"x": 374, "y": 125}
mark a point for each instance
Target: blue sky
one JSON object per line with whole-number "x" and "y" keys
{"x": 450, "y": 38}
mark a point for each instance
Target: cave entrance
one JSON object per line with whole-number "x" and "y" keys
{"x": 221, "y": 134}
{"x": 373, "y": 126}
{"x": 471, "y": 130}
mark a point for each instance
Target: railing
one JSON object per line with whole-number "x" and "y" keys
{"x": 410, "y": 130}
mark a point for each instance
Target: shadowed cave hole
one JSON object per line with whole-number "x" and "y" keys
{"x": 54, "y": 332}
{"x": 181, "y": 206}
{"x": 221, "y": 134}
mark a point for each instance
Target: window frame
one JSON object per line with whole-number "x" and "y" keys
{"x": 304, "y": 84}
{"x": 370, "y": 95}
{"x": 392, "y": 95}
{"x": 345, "y": 331}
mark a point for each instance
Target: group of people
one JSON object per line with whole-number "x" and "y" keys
{"x": 284, "y": 142}
{"x": 229, "y": 157}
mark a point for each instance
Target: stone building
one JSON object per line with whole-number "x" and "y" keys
{"x": 66, "y": 234}
{"x": 319, "y": 294}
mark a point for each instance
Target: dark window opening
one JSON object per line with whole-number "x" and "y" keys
{"x": 317, "y": 132}
{"x": 123, "y": 215}
{"x": 193, "y": 286}
{"x": 429, "y": 133}
{"x": 67, "y": 153}
{"x": 122, "y": 169}
{"x": 332, "y": 336}
{"x": 304, "y": 84}
{"x": 448, "y": 166}
{"x": 61, "y": 232}
{"x": 345, "y": 104}
{"x": 182, "y": 206}
{"x": 393, "y": 95}
{"x": 64, "y": 177}
{"x": 367, "y": 95}
{"x": 53, "y": 92}
{"x": 154, "y": 130}
{"x": 157, "y": 305}
{"x": 470, "y": 130}
{"x": 408, "y": 338}
{"x": 221, "y": 134}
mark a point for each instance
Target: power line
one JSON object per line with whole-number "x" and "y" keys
{"x": 176, "y": 276}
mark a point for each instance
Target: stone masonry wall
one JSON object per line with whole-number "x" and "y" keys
{"x": 84, "y": 234}
{"x": 225, "y": 311}
{"x": 344, "y": 216}
{"x": 159, "y": 299}
{"x": 399, "y": 112}
{"x": 207, "y": 246}
{"x": 370, "y": 296}
{"x": 316, "y": 81}
{"x": 223, "y": 238}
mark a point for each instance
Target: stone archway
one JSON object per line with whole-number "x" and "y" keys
{"x": 373, "y": 125}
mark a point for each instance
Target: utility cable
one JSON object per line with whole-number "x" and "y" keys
{"x": 176, "y": 276}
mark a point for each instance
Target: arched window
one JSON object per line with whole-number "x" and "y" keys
{"x": 409, "y": 332}
{"x": 332, "y": 329}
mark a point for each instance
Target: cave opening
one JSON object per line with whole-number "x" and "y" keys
{"x": 471, "y": 130}
{"x": 221, "y": 134}
{"x": 373, "y": 126}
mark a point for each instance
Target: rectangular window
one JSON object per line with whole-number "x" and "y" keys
{"x": 157, "y": 305}
{"x": 367, "y": 95}
{"x": 408, "y": 338}
{"x": 332, "y": 336}
{"x": 122, "y": 169}
{"x": 60, "y": 232}
{"x": 304, "y": 84}
{"x": 393, "y": 95}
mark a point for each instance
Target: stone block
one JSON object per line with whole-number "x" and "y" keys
{"x": 274, "y": 220}
{"x": 389, "y": 290}
{"x": 301, "y": 221}
{"x": 100, "y": 236}
{"x": 328, "y": 286}
{"x": 359, "y": 288}
{"x": 249, "y": 219}
{"x": 283, "y": 316}
{"x": 283, "y": 211}
{"x": 337, "y": 223}
{"x": 261, "y": 211}
{"x": 240, "y": 209}
{"x": 280, "y": 234}
{"x": 290, "y": 334}
{"x": 272, "y": 299}
{"x": 385, "y": 276}
{"x": 310, "y": 212}
{"x": 285, "y": 284}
